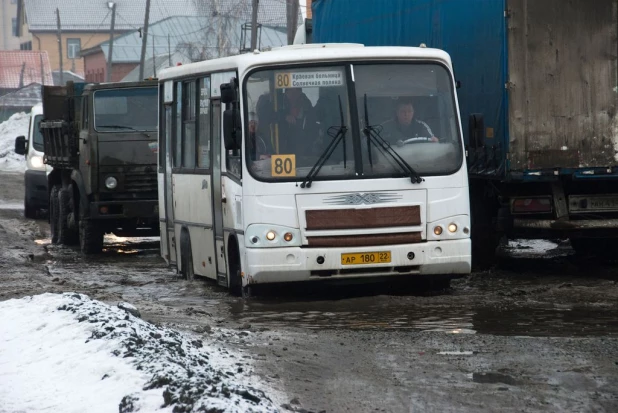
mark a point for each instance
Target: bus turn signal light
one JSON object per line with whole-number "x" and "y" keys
{"x": 437, "y": 230}
{"x": 288, "y": 236}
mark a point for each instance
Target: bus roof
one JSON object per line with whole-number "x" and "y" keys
{"x": 310, "y": 53}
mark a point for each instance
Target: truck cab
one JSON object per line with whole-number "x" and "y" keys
{"x": 102, "y": 141}
{"x": 35, "y": 177}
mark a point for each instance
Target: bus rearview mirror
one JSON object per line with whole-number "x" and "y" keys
{"x": 231, "y": 129}
{"x": 476, "y": 130}
{"x": 228, "y": 93}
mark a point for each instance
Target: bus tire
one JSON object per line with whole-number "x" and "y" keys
{"x": 484, "y": 236}
{"x": 66, "y": 235}
{"x": 53, "y": 213}
{"x": 235, "y": 283}
{"x": 186, "y": 263}
{"x": 90, "y": 236}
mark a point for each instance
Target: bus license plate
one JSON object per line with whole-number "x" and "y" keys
{"x": 357, "y": 258}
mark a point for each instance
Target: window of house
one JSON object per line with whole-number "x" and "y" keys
{"x": 73, "y": 48}
{"x": 13, "y": 1}
{"x": 189, "y": 115}
{"x": 203, "y": 144}
{"x": 14, "y": 26}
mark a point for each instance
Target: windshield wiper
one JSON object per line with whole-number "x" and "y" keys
{"x": 123, "y": 127}
{"x": 338, "y": 134}
{"x": 373, "y": 136}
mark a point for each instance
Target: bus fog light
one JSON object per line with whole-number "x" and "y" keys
{"x": 320, "y": 260}
{"x": 254, "y": 240}
{"x": 111, "y": 182}
{"x": 270, "y": 235}
{"x": 288, "y": 237}
{"x": 410, "y": 255}
{"x": 466, "y": 230}
{"x": 437, "y": 230}
{"x": 452, "y": 228}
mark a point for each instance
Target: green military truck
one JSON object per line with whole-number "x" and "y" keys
{"x": 101, "y": 141}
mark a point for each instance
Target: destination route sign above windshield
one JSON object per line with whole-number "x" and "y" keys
{"x": 314, "y": 78}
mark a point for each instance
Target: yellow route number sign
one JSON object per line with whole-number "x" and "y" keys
{"x": 283, "y": 165}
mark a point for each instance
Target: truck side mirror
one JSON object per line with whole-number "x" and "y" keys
{"x": 228, "y": 93}
{"x": 231, "y": 128}
{"x": 20, "y": 145}
{"x": 476, "y": 130}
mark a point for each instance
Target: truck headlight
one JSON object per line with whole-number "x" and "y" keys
{"x": 37, "y": 162}
{"x": 111, "y": 182}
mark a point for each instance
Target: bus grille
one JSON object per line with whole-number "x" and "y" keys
{"x": 140, "y": 182}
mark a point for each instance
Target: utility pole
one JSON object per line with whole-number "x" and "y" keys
{"x": 291, "y": 8}
{"x": 59, "y": 34}
{"x": 254, "y": 18}
{"x": 108, "y": 75}
{"x": 144, "y": 41}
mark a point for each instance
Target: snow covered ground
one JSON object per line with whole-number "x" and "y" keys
{"x": 16, "y": 125}
{"x": 69, "y": 353}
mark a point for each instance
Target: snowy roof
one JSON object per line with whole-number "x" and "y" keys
{"x": 25, "y": 97}
{"x": 195, "y": 37}
{"x": 66, "y": 76}
{"x": 12, "y": 63}
{"x": 93, "y": 16}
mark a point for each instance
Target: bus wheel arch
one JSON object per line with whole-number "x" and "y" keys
{"x": 186, "y": 255}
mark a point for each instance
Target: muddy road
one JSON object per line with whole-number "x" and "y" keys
{"x": 539, "y": 333}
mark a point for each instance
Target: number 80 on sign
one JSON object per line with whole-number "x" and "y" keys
{"x": 283, "y": 165}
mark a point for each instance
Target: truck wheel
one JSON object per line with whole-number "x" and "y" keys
{"x": 90, "y": 237}
{"x": 235, "y": 283}
{"x": 29, "y": 210}
{"x": 53, "y": 213}
{"x": 66, "y": 235}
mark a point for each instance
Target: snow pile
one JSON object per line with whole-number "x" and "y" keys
{"x": 70, "y": 353}
{"x": 16, "y": 125}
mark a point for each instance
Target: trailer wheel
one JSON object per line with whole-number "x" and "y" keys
{"x": 235, "y": 283}
{"x": 53, "y": 213}
{"x": 90, "y": 236}
{"x": 597, "y": 247}
{"x": 66, "y": 235}
{"x": 186, "y": 258}
{"x": 484, "y": 237}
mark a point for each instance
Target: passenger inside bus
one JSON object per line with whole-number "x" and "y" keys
{"x": 259, "y": 146}
{"x": 298, "y": 127}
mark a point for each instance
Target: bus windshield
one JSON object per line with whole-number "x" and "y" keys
{"x": 300, "y": 118}
{"x": 125, "y": 110}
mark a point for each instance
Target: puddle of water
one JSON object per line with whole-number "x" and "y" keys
{"x": 382, "y": 313}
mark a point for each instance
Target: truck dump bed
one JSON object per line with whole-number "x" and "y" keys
{"x": 60, "y": 125}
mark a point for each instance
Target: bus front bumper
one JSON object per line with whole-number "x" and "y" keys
{"x": 274, "y": 265}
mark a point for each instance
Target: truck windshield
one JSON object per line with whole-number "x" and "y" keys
{"x": 299, "y": 120}
{"x": 37, "y": 136}
{"x": 294, "y": 114}
{"x": 132, "y": 109}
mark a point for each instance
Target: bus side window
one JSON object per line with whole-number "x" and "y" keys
{"x": 177, "y": 137}
{"x": 203, "y": 143}
{"x": 189, "y": 117}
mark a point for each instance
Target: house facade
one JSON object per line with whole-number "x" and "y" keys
{"x": 12, "y": 35}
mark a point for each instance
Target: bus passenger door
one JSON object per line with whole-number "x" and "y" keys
{"x": 169, "y": 192}
{"x": 217, "y": 193}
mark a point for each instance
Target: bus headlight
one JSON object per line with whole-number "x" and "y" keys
{"x": 269, "y": 235}
{"x": 452, "y": 228}
{"x": 111, "y": 182}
